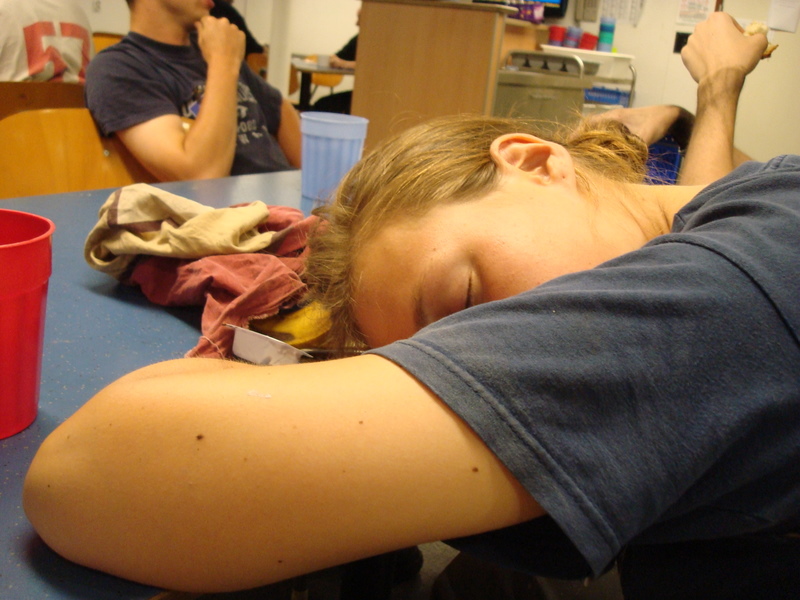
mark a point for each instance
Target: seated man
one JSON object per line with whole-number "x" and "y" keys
{"x": 345, "y": 58}
{"x": 44, "y": 40}
{"x": 180, "y": 63}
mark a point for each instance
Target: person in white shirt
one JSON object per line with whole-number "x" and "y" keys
{"x": 44, "y": 40}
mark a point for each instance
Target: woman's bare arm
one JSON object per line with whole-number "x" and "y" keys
{"x": 211, "y": 475}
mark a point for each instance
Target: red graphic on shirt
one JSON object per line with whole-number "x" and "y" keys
{"x": 49, "y": 53}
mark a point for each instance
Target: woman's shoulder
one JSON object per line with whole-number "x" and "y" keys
{"x": 755, "y": 184}
{"x": 784, "y": 163}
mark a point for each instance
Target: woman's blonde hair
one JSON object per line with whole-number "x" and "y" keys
{"x": 440, "y": 161}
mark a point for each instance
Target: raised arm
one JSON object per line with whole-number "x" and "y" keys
{"x": 209, "y": 475}
{"x": 719, "y": 57}
{"x": 206, "y": 150}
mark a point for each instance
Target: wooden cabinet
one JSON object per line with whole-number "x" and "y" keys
{"x": 420, "y": 59}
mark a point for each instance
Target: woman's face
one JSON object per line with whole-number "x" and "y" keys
{"x": 416, "y": 271}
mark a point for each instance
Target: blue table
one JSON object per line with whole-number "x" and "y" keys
{"x": 96, "y": 331}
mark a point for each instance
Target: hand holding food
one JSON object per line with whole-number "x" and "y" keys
{"x": 759, "y": 27}
{"x": 717, "y": 50}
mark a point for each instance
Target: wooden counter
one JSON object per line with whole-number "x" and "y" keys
{"x": 419, "y": 59}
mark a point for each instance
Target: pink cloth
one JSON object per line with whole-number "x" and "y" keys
{"x": 232, "y": 288}
{"x": 239, "y": 263}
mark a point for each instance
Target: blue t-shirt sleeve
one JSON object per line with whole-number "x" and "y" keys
{"x": 138, "y": 79}
{"x": 122, "y": 91}
{"x": 624, "y": 398}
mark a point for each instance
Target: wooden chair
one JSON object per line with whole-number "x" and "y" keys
{"x": 16, "y": 96}
{"x": 59, "y": 150}
{"x": 260, "y": 63}
{"x": 104, "y": 39}
{"x": 257, "y": 62}
{"x": 329, "y": 80}
{"x": 294, "y": 79}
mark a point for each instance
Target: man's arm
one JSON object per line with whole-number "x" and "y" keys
{"x": 652, "y": 123}
{"x": 209, "y": 475}
{"x": 207, "y": 149}
{"x": 341, "y": 63}
{"x": 289, "y": 136}
{"x": 719, "y": 57}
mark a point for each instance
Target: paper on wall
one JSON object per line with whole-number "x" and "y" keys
{"x": 692, "y": 12}
{"x": 624, "y": 11}
{"x": 784, "y": 15}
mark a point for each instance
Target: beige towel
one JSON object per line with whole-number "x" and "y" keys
{"x": 142, "y": 219}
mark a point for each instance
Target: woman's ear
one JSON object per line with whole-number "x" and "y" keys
{"x": 523, "y": 152}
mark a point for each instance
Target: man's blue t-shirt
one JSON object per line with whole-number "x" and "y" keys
{"x": 139, "y": 79}
{"x": 654, "y": 398}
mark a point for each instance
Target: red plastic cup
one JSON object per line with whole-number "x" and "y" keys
{"x": 588, "y": 41}
{"x": 25, "y": 266}
{"x": 557, "y": 34}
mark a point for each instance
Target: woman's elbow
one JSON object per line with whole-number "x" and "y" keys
{"x": 48, "y": 494}
{"x": 67, "y": 494}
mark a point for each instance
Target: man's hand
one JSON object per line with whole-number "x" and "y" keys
{"x": 219, "y": 40}
{"x": 718, "y": 45}
{"x": 340, "y": 63}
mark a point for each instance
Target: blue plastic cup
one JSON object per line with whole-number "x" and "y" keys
{"x": 606, "y": 37}
{"x": 332, "y": 144}
{"x": 573, "y": 37}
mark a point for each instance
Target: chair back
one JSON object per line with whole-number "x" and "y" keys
{"x": 260, "y": 64}
{"x": 257, "y": 62}
{"x": 51, "y": 151}
{"x": 16, "y": 96}
{"x": 294, "y": 79}
{"x": 104, "y": 39}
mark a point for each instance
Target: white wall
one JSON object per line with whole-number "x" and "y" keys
{"x": 316, "y": 26}
{"x": 766, "y": 123}
{"x": 110, "y": 16}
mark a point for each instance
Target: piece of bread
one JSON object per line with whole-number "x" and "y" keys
{"x": 758, "y": 27}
